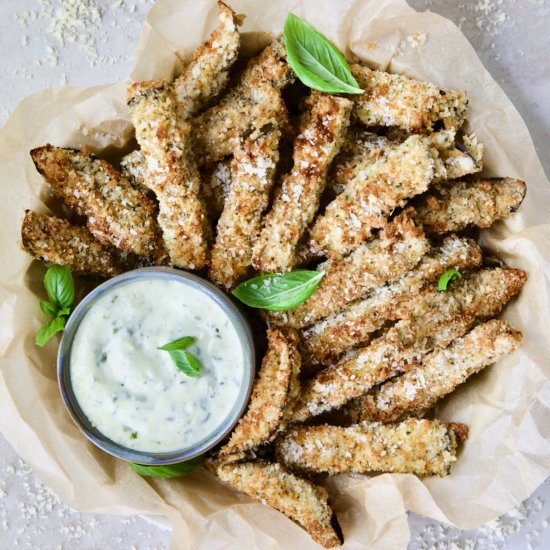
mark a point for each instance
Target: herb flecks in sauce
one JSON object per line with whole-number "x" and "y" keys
{"x": 137, "y": 385}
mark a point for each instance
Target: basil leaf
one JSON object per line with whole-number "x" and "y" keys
{"x": 59, "y": 286}
{"x": 447, "y": 277}
{"x": 279, "y": 292}
{"x": 316, "y": 61}
{"x": 48, "y": 309}
{"x": 186, "y": 362}
{"x": 171, "y": 470}
{"x": 47, "y": 331}
{"x": 180, "y": 343}
{"x": 64, "y": 311}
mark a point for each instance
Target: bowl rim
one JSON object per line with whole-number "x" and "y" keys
{"x": 94, "y": 435}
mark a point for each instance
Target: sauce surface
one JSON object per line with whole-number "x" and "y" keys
{"x": 132, "y": 392}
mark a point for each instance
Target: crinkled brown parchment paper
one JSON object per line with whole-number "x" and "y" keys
{"x": 506, "y": 407}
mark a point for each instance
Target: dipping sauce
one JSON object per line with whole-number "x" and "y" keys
{"x": 132, "y": 392}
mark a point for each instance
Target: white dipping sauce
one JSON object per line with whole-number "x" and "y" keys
{"x": 132, "y": 392}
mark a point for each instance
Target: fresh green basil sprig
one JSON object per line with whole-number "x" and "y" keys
{"x": 60, "y": 289}
{"x": 184, "y": 360}
{"x": 447, "y": 277}
{"x": 170, "y": 470}
{"x": 279, "y": 292}
{"x": 316, "y": 61}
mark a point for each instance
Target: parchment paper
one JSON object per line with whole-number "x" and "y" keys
{"x": 506, "y": 407}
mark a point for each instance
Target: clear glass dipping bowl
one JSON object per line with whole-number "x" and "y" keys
{"x": 116, "y": 449}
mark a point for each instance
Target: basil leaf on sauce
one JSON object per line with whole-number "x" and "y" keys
{"x": 48, "y": 330}
{"x": 180, "y": 343}
{"x": 186, "y": 362}
{"x": 447, "y": 277}
{"x": 279, "y": 292}
{"x": 59, "y": 286}
{"x": 171, "y": 470}
{"x": 316, "y": 61}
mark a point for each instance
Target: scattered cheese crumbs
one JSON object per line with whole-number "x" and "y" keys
{"x": 521, "y": 527}
{"x": 31, "y": 516}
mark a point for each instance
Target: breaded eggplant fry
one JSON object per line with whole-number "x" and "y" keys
{"x": 134, "y": 169}
{"x": 481, "y": 294}
{"x": 420, "y": 447}
{"x": 440, "y": 373}
{"x": 118, "y": 214}
{"x": 362, "y": 149}
{"x": 252, "y": 177}
{"x": 301, "y": 501}
{"x": 453, "y": 206}
{"x": 358, "y": 153}
{"x": 216, "y": 182}
{"x": 397, "y": 248}
{"x": 434, "y": 320}
{"x": 325, "y": 341}
{"x": 458, "y": 159}
{"x": 171, "y": 173}
{"x": 218, "y": 130}
{"x": 322, "y": 132}
{"x": 401, "y": 172}
{"x": 273, "y": 393}
{"x": 208, "y": 72}
{"x": 56, "y": 241}
{"x": 415, "y": 106}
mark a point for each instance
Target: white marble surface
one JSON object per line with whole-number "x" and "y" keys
{"x": 40, "y": 49}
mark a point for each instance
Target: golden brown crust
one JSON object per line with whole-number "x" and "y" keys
{"x": 322, "y": 132}
{"x": 301, "y": 501}
{"x": 171, "y": 173}
{"x": 117, "y": 213}
{"x": 208, "y": 72}
{"x": 218, "y": 130}
{"x": 395, "y": 100}
{"x": 216, "y": 183}
{"x": 272, "y": 395}
{"x": 397, "y": 248}
{"x": 453, "y": 206}
{"x": 420, "y": 447}
{"x": 56, "y": 241}
{"x": 252, "y": 177}
{"x": 399, "y": 173}
{"x": 440, "y": 373}
{"x": 433, "y": 320}
{"x": 328, "y": 339}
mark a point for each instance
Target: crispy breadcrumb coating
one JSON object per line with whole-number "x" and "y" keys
{"x": 216, "y": 183}
{"x": 400, "y": 172}
{"x": 453, "y": 206}
{"x": 273, "y": 393}
{"x": 56, "y": 241}
{"x": 171, "y": 173}
{"x": 440, "y": 373}
{"x": 326, "y": 340}
{"x": 252, "y": 177}
{"x": 218, "y": 130}
{"x": 415, "y": 106}
{"x": 322, "y": 132}
{"x": 434, "y": 320}
{"x": 208, "y": 73}
{"x": 397, "y": 248}
{"x": 303, "y": 502}
{"x": 117, "y": 213}
{"x": 420, "y": 447}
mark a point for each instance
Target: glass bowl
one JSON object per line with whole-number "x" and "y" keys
{"x": 244, "y": 334}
